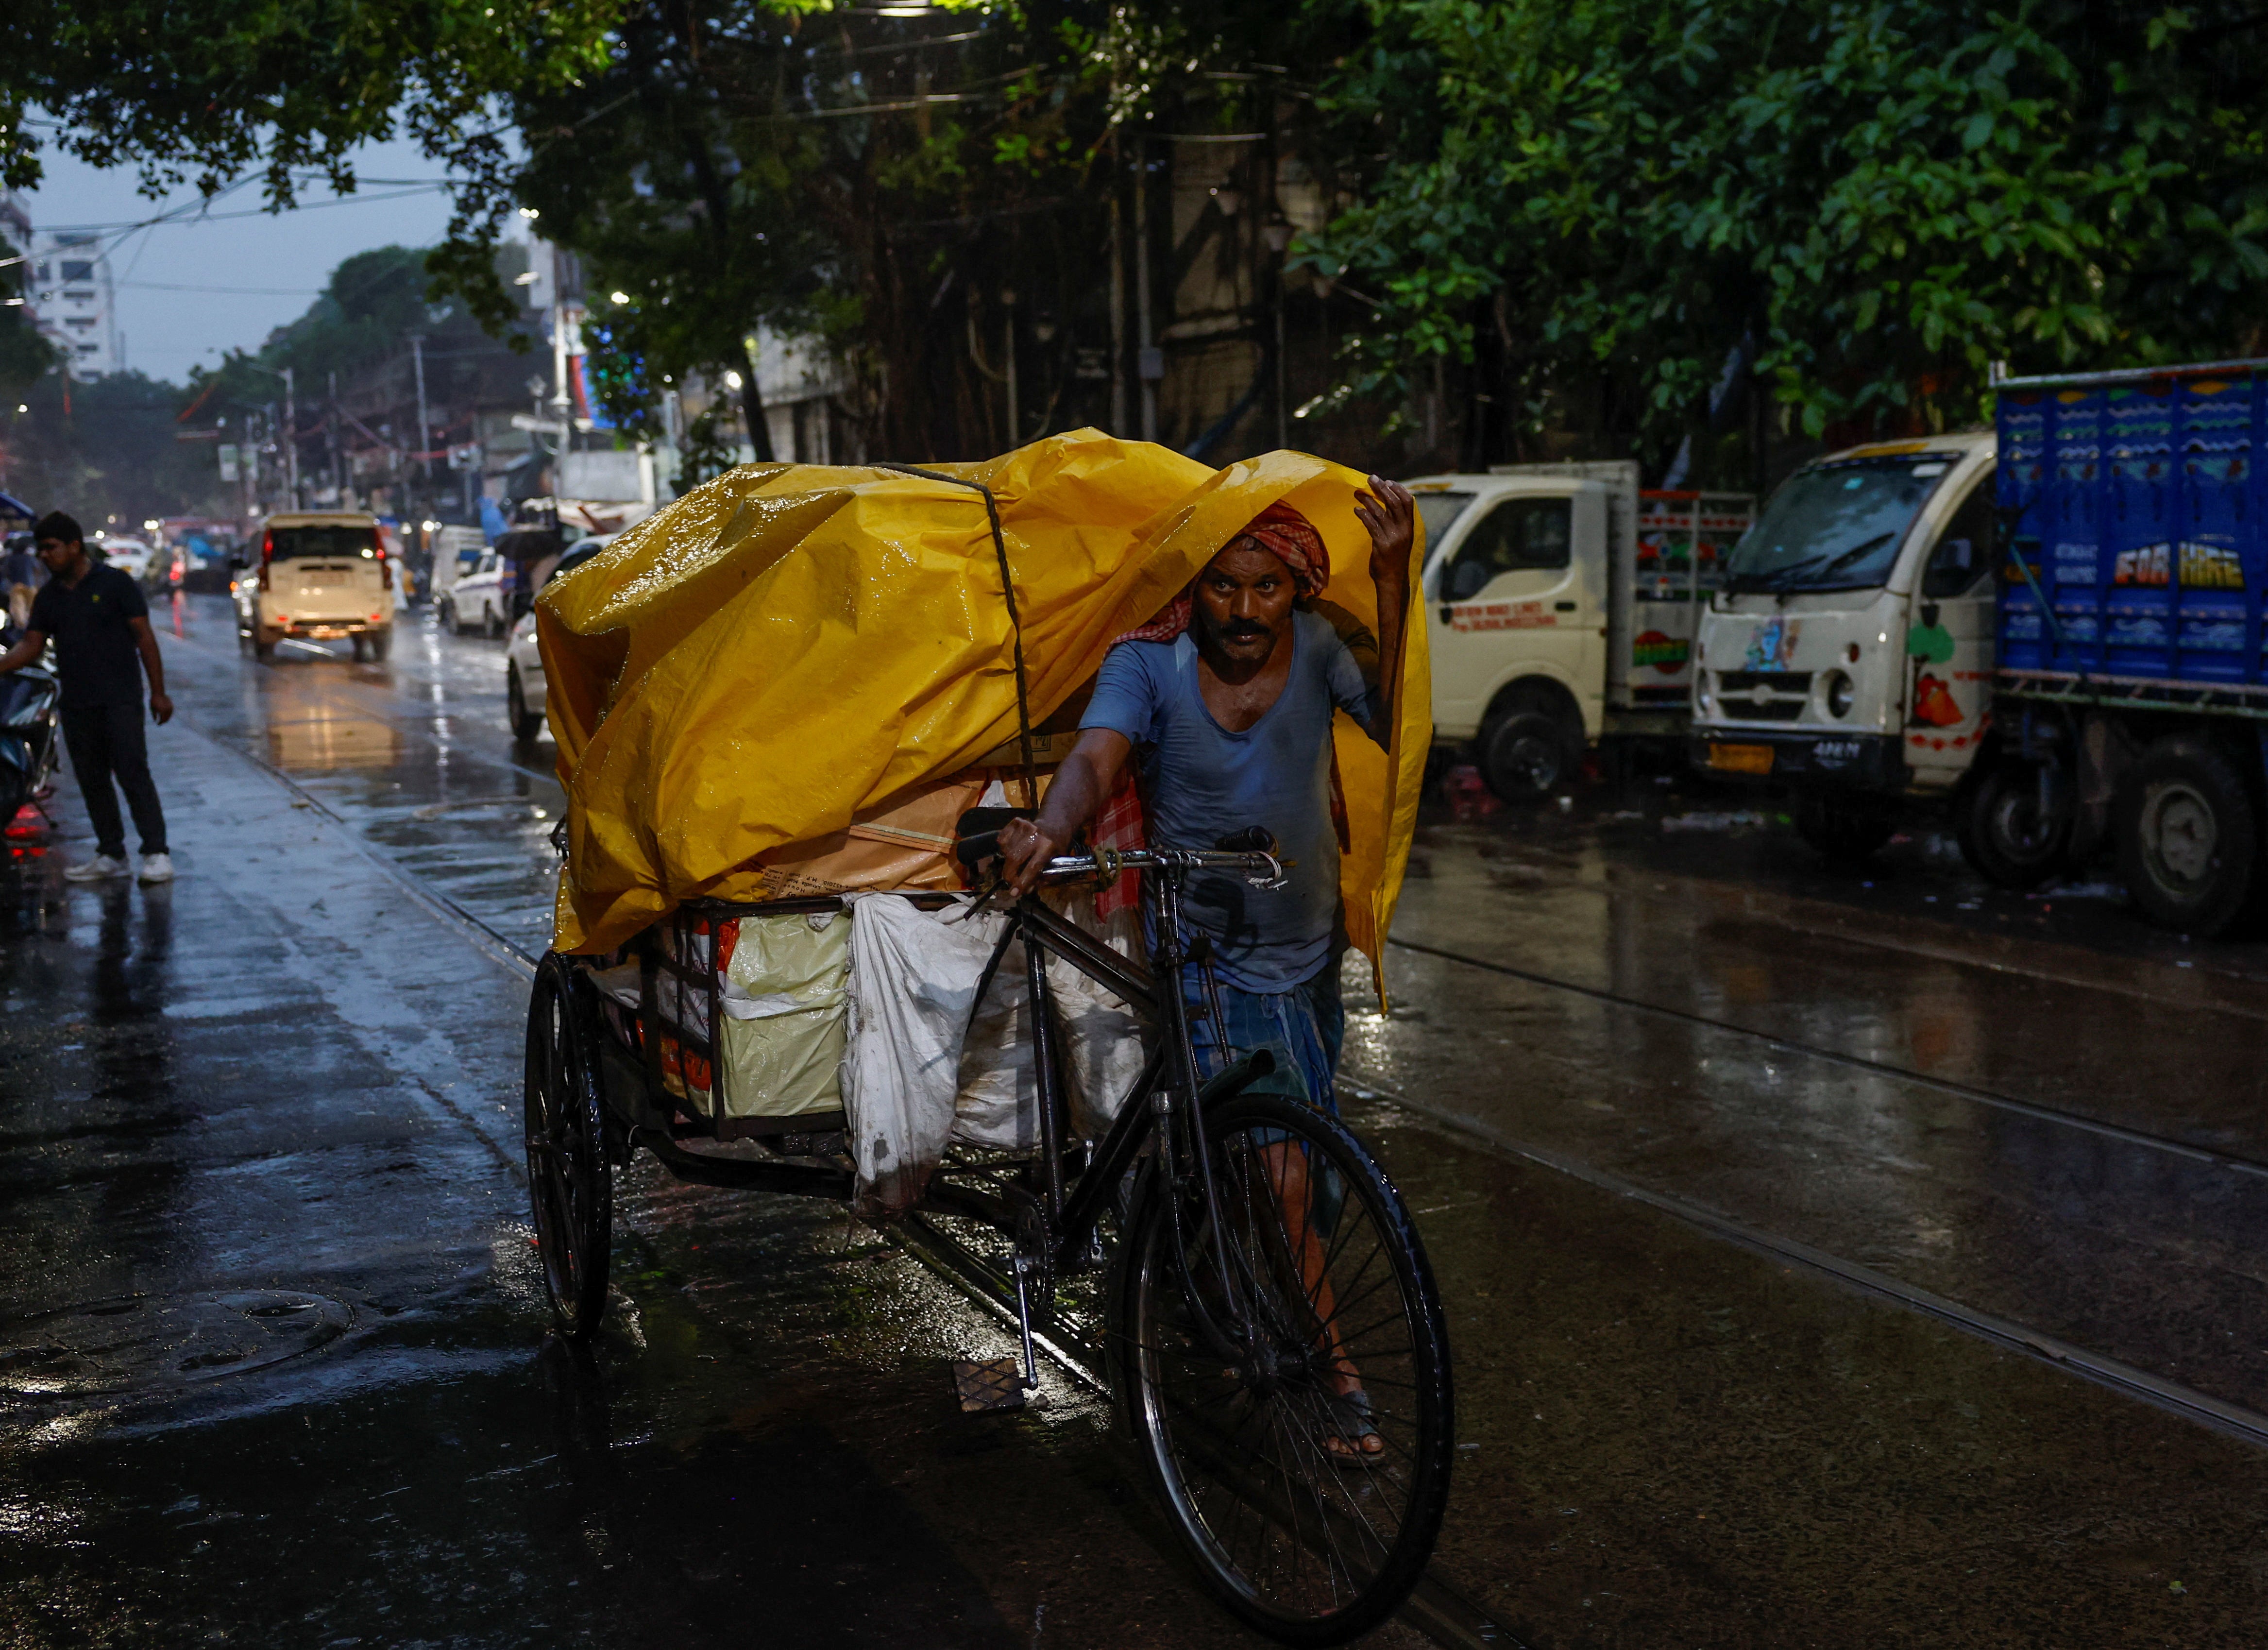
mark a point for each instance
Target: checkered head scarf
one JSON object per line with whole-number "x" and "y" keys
{"x": 1281, "y": 531}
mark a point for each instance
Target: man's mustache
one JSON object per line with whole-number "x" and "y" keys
{"x": 1243, "y": 628}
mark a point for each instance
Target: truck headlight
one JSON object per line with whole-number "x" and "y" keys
{"x": 1842, "y": 694}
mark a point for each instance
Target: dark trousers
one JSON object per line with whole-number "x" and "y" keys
{"x": 105, "y": 742}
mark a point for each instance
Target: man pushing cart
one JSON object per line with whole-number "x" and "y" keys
{"x": 808, "y": 719}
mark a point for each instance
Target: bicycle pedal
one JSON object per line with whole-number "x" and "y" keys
{"x": 989, "y": 1383}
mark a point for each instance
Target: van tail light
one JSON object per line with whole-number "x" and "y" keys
{"x": 385, "y": 567}
{"x": 267, "y": 555}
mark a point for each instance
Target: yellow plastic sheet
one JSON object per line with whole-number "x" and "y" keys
{"x": 790, "y": 646}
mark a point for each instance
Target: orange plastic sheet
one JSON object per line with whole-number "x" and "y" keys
{"x": 790, "y": 647}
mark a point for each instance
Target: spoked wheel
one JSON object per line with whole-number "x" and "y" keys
{"x": 1306, "y": 1469}
{"x": 570, "y": 1180}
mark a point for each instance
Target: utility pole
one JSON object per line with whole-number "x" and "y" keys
{"x": 1015, "y": 420}
{"x": 290, "y": 439}
{"x": 331, "y": 426}
{"x": 1117, "y": 292}
{"x": 425, "y": 433}
{"x": 1150, "y": 361}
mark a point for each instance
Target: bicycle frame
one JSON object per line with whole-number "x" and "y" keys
{"x": 1167, "y": 1100}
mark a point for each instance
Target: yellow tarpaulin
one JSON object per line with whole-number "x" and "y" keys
{"x": 791, "y": 646}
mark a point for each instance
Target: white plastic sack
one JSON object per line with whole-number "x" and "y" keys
{"x": 916, "y": 1075}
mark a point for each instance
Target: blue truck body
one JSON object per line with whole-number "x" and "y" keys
{"x": 2143, "y": 526}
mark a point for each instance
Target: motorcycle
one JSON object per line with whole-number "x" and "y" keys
{"x": 29, "y": 720}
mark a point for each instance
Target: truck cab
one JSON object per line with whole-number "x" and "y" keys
{"x": 1560, "y": 607}
{"x": 1848, "y": 653}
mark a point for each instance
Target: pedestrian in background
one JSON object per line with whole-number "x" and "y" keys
{"x": 100, "y": 623}
{"x": 20, "y": 578}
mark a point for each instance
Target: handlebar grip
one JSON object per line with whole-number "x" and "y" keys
{"x": 1253, "y": 839}
{"x": 974, "y": 850}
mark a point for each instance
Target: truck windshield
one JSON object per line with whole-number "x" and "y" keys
{"x": 320, "y": 543}
{"x": 1439, "y": 513}
{"x": 1837, "y": 526}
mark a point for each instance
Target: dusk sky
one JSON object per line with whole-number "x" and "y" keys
{"x": 189, "y": 289}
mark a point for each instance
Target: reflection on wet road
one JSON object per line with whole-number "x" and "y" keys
{"x": 274, "y": 1366}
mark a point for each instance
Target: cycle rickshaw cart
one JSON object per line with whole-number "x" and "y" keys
{"x": 1249, "y": 1284}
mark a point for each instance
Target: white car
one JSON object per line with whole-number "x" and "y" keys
{"x": 523, "y": 676}
{"x": 320, "y": 574}
{"x": 129, "y": 556}
{"x": 477, "y": 601}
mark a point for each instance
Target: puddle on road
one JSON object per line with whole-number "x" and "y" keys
{"x": 158, "y": 1343}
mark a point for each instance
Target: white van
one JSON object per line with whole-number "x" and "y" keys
{"x": 320, "y": 574}
{"x": 1560, "y": 604}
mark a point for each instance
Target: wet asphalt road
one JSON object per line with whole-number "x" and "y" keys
{"x": 1755, "y": 1191}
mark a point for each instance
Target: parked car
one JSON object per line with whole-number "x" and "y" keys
{"x": 319, "y": 575}
{"x": 523, "y": 674}
{"x": 129, "y": 556}
{"x": 477, "y": 600}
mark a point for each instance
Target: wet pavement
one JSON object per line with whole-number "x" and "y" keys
{"x": 1745, "y": 1181}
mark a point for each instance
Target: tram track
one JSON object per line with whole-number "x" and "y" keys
{"x": 2202, "y": 1408}
{"x": 2230, "y": 1163}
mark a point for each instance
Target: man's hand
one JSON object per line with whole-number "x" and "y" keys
{"x": 1389, "y": 510}
{"x": 1025, "y": 850}
{"x": 161, "y": 708}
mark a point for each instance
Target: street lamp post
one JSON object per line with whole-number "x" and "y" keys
{"x": 290, "y": 439}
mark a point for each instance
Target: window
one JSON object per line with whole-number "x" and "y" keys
{"x": 82, "y": 297}
{"x": 1836, "y": 527}
{"x": 1519, "y": 533}
{"x": 325, "y": 543}
{"x": 1965, "y": 553}
{"x": 77, "y": 269}
{"x": 1439, "y": 513}
{"x": 80, "y": 321}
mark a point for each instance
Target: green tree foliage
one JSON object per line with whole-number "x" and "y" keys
{"x": 1884, "y": 195}
{"x": 210, "y": 93}
{"x": 884, "y": 185}
{"x": 24, "y": 354}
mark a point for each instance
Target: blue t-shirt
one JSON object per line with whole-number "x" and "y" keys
{"x": 1201, "y": 783}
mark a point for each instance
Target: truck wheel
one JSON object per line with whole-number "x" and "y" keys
{"x": 1847, "y": 830}
{"x": 1524, "y": 757}
{"x": 2186, "y": 837}
{"x": 262, "y": 649}
{"x": 381, "y": 644}
{"x": 2003, "y": 834}
{"x": 361, "y": 648}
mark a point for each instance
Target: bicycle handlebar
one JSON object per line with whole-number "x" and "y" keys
{"x": 1260, "y": 869}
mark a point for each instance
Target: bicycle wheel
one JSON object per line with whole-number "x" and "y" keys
{"x": 1308, "y": 1529}
{"x": 570, "y": 1180}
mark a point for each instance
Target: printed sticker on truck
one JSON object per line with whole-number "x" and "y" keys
{"x": 1501, "y": 616}
{"x": 1666, "y": 653}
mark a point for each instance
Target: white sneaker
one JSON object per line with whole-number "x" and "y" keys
{"x": 157, "y": 868}
{"x": 101, "y": 868}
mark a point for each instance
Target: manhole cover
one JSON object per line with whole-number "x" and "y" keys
{"x": 143, "y": 1343}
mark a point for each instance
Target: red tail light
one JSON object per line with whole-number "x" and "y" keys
{"x": 266, "y": 553}
{"x": 384, "y": 568}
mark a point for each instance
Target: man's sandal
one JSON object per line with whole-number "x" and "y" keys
{"x": 1353, "y": 1439}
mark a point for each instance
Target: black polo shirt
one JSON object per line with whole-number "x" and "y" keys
{"x": 95, "y": 652}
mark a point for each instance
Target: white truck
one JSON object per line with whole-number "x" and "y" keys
{"x": 1560, "y": 605}
{"x": 1849, "y": 653}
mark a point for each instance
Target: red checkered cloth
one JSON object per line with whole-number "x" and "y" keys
{"x": 1118, "y": 824}
{"x": 1281, "y": 531}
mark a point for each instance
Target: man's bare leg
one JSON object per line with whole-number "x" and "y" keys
{"x": 1285, "y": 1166}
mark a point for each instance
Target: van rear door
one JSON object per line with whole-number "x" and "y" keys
{"x": 327, "y": 571}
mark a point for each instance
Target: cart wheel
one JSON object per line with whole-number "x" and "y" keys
{"x": 1305, "y": 1533}
{"x": 570, "y": 1180}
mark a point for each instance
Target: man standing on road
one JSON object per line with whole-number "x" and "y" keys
{"x": 100, "y": 623}
{"x": 1226, "y": 701}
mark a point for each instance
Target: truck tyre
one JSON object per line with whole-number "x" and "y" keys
{"x": 262, "y": 649}
{"x": 448, "y": 614}
{"x": 381, "y": 644}
{"x": 1997, "y": 819}
{"x": 1526, "y": 756}
{"x": 361, "y": 647}
{"x": 1846, "y": 830}
{"x": 2187, "y": 837}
